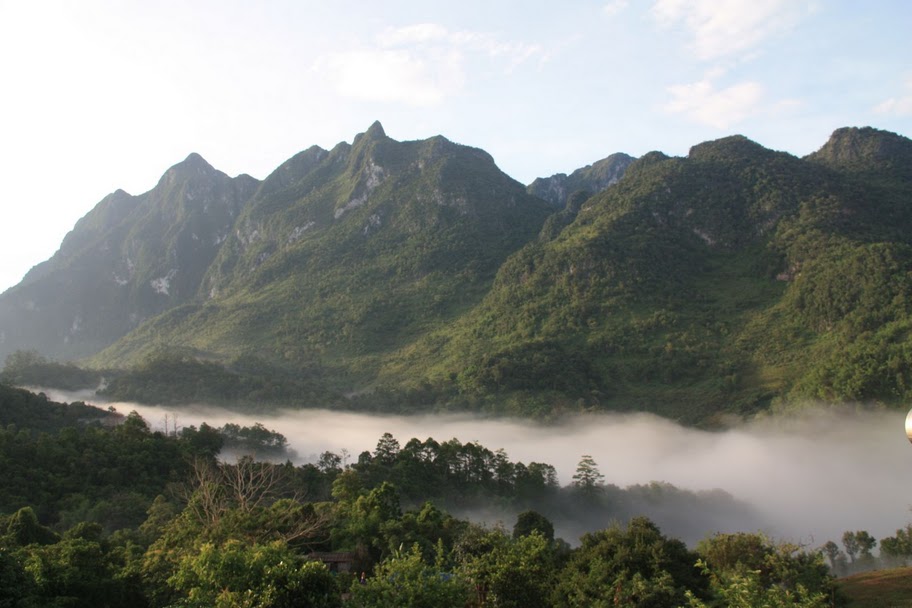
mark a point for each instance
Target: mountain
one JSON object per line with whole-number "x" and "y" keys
{"x": 720, "y": 283}
{"x": 343, "y": 256}
{"x": 129, "y": 259}
{"x": 592, "y": 179}
{"x": 416, "y": 274}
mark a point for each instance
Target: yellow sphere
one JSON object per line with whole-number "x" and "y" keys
{"x": 909, "y": 425}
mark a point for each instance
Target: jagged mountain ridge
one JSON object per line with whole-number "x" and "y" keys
{"x": 720, "y": 281}
{"x": 348, "y": 252}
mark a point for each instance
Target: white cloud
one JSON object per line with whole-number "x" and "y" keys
{"x": 614, "y": 7}
{"x": 412, "y": 34}
{"x": 420, "y": 64}
{"x": 728, "y": 27}
{"x": 898, "y": 106}
{"x": 394, "y": 75}
{"x": 703, "y": 103}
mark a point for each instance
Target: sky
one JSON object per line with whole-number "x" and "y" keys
{"x": 98, "y": 95}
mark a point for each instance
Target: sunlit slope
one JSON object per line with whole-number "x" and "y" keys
{"x": 343, "y": 256}
{"x": 877, "y": 588}
{"x": 703, "y": 285}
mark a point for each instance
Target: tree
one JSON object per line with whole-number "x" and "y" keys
{"x": 205, "y": 442}
{"x": 330, "y": 462}
{"x": 851, "y": 545}
{"x": 745, "y": 589}
{"x": 866, "y": 544}
{"x": 587, "y": 477}
{"x": 528, "y": 522}
{"x": 898, "y": 549}
{"x": 236, "y": 574}
{"x": 511, "y": 573}
{"x": 785, "y": 565}
{"x": 13, "y": 580}
{"x": 837, "y": 558}
{"x": 404, "y": 580}
{"x": 858, "y": 544}
{"x": 387, "y": 450}
{"x": 636, "y": 566}
{"x": 73, "y": 572}
{"x": 215, "y": 488}
{"x": 23, "y": 529}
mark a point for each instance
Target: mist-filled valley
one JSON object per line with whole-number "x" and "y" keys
{"x": 804, "y": 477}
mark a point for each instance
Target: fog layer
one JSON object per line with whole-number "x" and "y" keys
{"x": 808, "y": 477}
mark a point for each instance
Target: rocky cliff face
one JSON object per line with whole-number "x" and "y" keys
{"x": 592, "y": 179}
{"x": 130, "y": 258}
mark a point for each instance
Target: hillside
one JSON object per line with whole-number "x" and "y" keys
{"x": 343, "y": 256}
{"x": 877, "y": 588}
{"x": 129, "y": 259}
{"x": 415, "y": 275}
{"x": 699, "y": 286}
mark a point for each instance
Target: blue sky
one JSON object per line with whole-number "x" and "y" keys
{"x": 99, "y": 95}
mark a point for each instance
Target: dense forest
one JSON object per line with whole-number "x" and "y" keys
{"x": 403, "y": 276}
{"x": 99, "y": 510}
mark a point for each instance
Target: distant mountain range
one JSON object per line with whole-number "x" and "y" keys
{"x": 415, "y": 275}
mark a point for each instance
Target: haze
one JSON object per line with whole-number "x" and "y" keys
{"x": 809, "y": 477}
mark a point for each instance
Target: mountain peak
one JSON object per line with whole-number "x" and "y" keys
{"x": 734, "y": 147}
{"x": 192, "y": 166}
{"x": 195, "y": 161}
{"x": 374, "y": 132}
{"x": 863, "y": 148}
{"x": 592, "y": 178}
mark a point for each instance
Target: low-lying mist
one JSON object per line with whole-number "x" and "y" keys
{"x": 806, "y": 477}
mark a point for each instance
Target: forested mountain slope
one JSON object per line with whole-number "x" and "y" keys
{"x": 702, "y": 285}
{"x": 417, "y": 274}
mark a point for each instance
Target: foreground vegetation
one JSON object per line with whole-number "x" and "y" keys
{"x": 100, "y": 514}
{"x": 877, "y": 588}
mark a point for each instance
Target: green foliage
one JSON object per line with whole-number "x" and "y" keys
{"x": 238, "y": 575}
{"x": 176, "y": 378}
{"x": 257, "y": 439}
{"x": 406, "y": 580}
{"x": 587, "y": 477}
{"x": 783, "y": 565}
{"x": 25, "y": 410}
{"x": 744, "y": 589}
{"x": 120, "y": 471}
{"x": 73, "y": 572}
{"x": 238, "y": 534}
{"x": 509, "y": 573}
{"x": 632, "y": 566}
{"x": 416, "y": 275}
{"x": 747, "y": 570}
{"x": 529, "y": 522}
{"x": 29, "y": 368}
{"x": 23, "y": 529}
{"x": 897, "y": 549}
{"x": 13, "y": 579}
